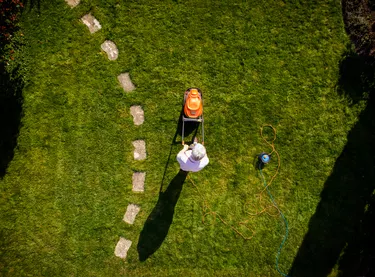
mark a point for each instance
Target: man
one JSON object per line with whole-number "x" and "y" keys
{"x": 193, "y": 158}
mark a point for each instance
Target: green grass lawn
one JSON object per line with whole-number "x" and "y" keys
{"x": 257, "y": 62}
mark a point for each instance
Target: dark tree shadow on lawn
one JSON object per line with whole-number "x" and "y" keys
{"x": 159, "y": 221}
{"x": 31, "y": 4}
{"x": 10, "y": 116}
{"x": 342, "y": 229}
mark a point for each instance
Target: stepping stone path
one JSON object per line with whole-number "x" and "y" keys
{"x": 72, "y": 3}
{"x": 125, "y": 82}
{"x": 122, "y": 248}
{"x": 138, "y": 115}
{"x": 91, "y": 22}
{"x": 131, "y": 213}
{"x": 140, "y": 150}
{"x": 139, "y": 181}
{"x": 123, "y": 245}
{"x": 111, "y": 49}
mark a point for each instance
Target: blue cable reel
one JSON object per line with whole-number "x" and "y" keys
{"x": 264, "y": 158}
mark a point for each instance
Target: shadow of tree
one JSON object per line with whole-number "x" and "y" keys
{"x": 31, "y": 4}
{"x": 358, "y": 258}
{"x": 158, "y": 222}
{"x": 339, "y": 231}
{"x": 10, "y": 116}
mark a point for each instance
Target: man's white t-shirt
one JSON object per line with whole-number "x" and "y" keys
{"x": 187, "y": 163}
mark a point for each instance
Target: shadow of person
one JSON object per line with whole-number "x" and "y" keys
{"x": 158, "y": 222}
{"x": 340, "y": 230}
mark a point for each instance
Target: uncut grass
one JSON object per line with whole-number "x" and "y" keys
{"x": 69, "y": 183}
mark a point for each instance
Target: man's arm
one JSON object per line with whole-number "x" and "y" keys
{"x": 181, "y": 154}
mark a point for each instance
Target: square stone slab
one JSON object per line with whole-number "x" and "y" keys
{"x": 122, "y": 248}
{"x": 139, "y": 181}
{"x": 126, "y": 82}
{"x": 91, "y": 22}
{"x": 138, "y": 115}
{"x": 140, "y": 150}
{"x": 111, "y": 49}
{"x": 72, "y": 3}
{"x": 131, "y": 213}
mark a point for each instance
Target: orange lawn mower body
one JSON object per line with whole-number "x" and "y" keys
{"x": 193, "y": 109}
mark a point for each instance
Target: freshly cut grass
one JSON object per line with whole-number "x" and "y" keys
{"x": 63, "y": 197}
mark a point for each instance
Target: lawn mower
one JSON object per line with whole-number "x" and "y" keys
{"x": 192, "y": 109}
